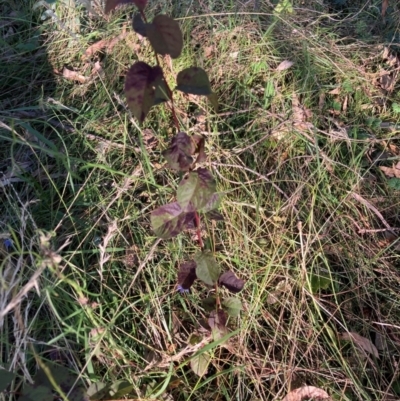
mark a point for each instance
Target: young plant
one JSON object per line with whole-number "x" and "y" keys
{"x": 197, "y": 197}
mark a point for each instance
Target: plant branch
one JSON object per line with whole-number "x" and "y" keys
{"x": 198, "y": 230}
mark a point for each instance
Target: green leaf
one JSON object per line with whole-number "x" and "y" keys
{"x": 209, "y": 303}
{"x": 394, "y": 183}
{"x": 199, "y": 364}
{"x": 318, "y": 282}
{"x": 112, "y": 4}
{"x": 165, "y": 36}
{"x": 97, "y": 391}
{"x": 36, "y": 393}
{"x": 396, "y": 108}
{"x": 283, "y": 6}
{"x": 207, "y": 268}
{"x": 194, "y": 80}
{"x": 64, "y": 379}
{"x": 195, "y": 339}
{"x": 213, "y": 99}
{"x": 197, "y": 189}
{"x": 120, "y": 388}
{"x": 169, "y": 220}
{"x": 6, "y": 378}
{"x": 145, "y": 86}
{"x": 233, "y": 306}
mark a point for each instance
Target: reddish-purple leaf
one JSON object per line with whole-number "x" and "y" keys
{"x": 139, "y": 26}
{"x": 178, "y": 155}
{"x": 217, "y": 322}
{"x": 207, "y": 269}
{"x": 231, "y": 282}
{"x": 204, "y": 324}
{"x": 213, "y": 203}
{"x": 165, "y": 36}
{"x": 194, "y": 80}
{"x": 217, "y": 318}
{"x": 112, "y": 4}
{"x": 197, "y": 189}
{"x": 144, "y": 87}
{"x": 169, "y": 220}
{"x": 187, "y": 274}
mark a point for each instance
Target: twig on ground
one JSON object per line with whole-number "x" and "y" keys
{"x": 373, "y": 209}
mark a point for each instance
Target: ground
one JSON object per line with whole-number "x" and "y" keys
{"x": 306, "y": 147}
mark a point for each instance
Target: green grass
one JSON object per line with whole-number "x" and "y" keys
{"x": 88, "y": 286}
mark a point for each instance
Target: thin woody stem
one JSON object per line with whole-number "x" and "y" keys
{"x": 197, "y": 222}
{"x": 170, "y": 94}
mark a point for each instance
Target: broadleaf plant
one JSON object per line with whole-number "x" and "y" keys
{"x": 145, "y": 87}
{"x": 194, "y": 81}
{"x": 197, "y": 199}
{"x": 196, "y": 189}
{"x": 165, "y": 36}
{"x": 207, "y": 269}
{"x": 171, "y": 219}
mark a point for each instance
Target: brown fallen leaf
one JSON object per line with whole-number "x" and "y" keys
{"x": 284, "y": 65}
{"x": 104, "y": 43}
{"x": 96, "y": 68}
{"x": 300, "y": 113}
{"x": 361, "y": 342}
{"x": 73, "y": 75}
{"x": 387, "y": 81}
{"x": 336, "y": 91}
{"x": 390, "y": 57}
{"x": 393, "y": 171}
{"x": 307, "y": 393}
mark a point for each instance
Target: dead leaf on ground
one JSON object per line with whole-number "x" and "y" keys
{"x": 387, "y": 81}
{"x": 284, "y": 65}
{"x": 307, "y": 393}
{"x": 336, "y": 91}
{"x": 104, "y": 44}
{"x": 300, "y": 113}
{"x": 393, "y": 171}
{"x": 73, "y": 75}
{"x": 97, "y": 68}
{"x": 361, "y": 342}
{"x": 390, "y": 57}
{"x": 344, "y": 104}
